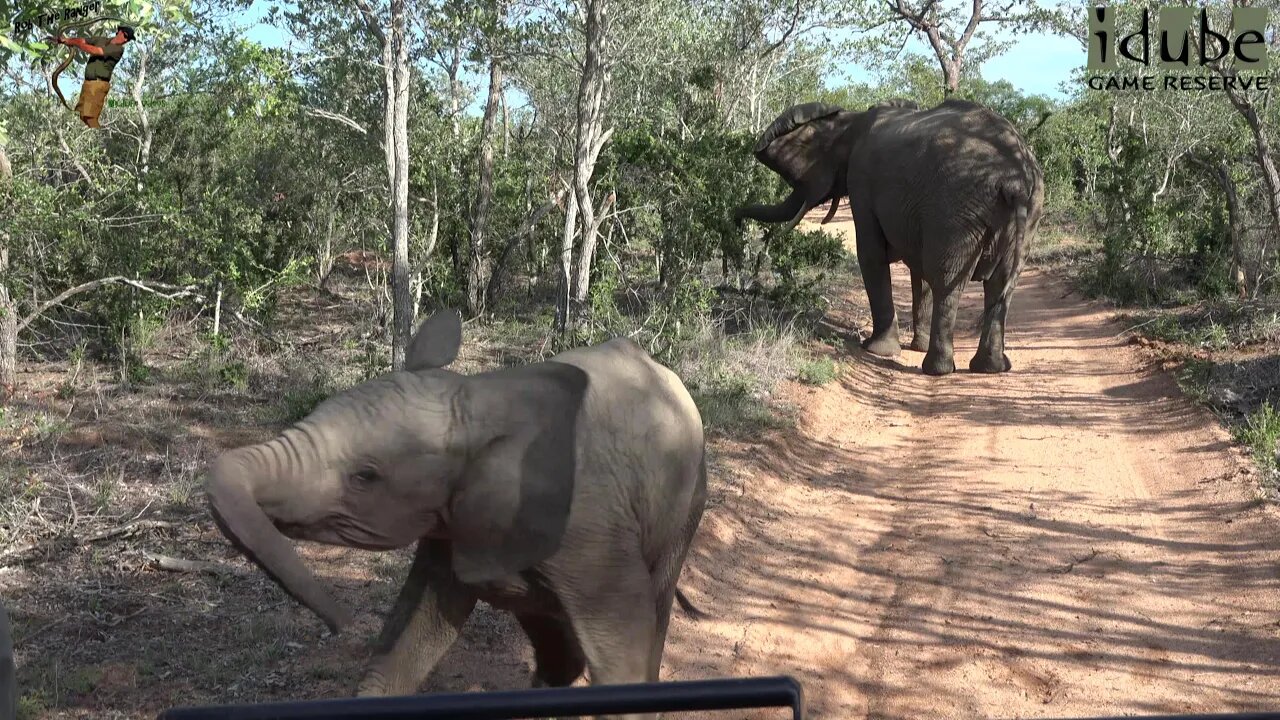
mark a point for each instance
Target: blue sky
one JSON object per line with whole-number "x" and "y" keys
{"x": 1039, "y": 63}
{"x": 1035, "y": 64}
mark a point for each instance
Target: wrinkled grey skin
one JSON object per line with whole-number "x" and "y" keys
{"x": 8, "y": 678}
{"x": 808, "y": 145}
{"x": 955, "y": 193}
{"x": 566, "y": 491}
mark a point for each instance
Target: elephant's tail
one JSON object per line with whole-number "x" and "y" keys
{"x": 1010, "y": 252}
{"x": 688, "y": 607}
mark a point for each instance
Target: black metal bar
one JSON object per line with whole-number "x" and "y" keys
{"x": 724, "y": 694}
{"x": 1210, "y": 716}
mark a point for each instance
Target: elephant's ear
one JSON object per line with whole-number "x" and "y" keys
{"x": 792, "y": 118}
{"x": 512, "y": 506}
{"x": 436, "y": 342}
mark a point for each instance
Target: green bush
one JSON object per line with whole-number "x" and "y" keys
{"x": 234, "y": 374}
{"x": 730, "y": 403}
{"x": 1261, "y": 433}
{"x": 684, "y": 190}
{"x": 818, "y": 371}
{"x": 299, "y": 402}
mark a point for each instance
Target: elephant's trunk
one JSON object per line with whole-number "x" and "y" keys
{"x": 781, "y": 212}
{"x": 239, "y": 516}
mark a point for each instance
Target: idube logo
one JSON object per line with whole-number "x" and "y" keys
{"x": 1185, "y": 40}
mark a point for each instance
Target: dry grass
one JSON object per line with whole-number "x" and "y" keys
{"x": 100, "y": 471}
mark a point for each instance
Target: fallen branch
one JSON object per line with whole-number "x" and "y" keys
{"x": 1135, "y": 327}
{"x": 322, "y": 336}
{"x": 70, "y": 543}
{"x": 530, "y": 223}
{"x": 1074, "y": 562}
{"x": 255, "y": 326}
{"x": 173, "y": 564}
{"x": 164, "y": 290}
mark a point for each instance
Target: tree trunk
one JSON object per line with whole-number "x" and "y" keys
{"x": 564, "y": 323}
{"x": 146, "y": 133}
{"x": 477, "y": 257}
{"x": 324, "y": 264}
{"x": 455, "y": 125}
{"x": 8, "y": 317}
{"x": 1262, "y": 149}
{"x": 217, "y": 312}
{"x": 950, "y": 77}
{"x": 455, "y": 94}
{"x": 1238, "y": 276}
{"x": 424, "y": 258}
{"x": 389, "y": 112}
{"x": 8, "y": 308}
{"x": 1261, "y": 143}
{"x": 398, "y": 113}
{"x": 586, "y": 256}
{"x": 506, "y": 126}
{"x": 590, "y": 140}
{"x": 433, "y": 238}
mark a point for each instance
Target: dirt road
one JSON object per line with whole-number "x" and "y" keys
{"x": 1071, "y": 539}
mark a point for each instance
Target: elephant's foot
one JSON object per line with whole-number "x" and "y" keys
{"x": 884, "y": 345}
{"x": 986, "y": 363}
{"x": 372, "y": 686}
{"x": 919, "y": 343}
{"x": 384, "y": 681}
{"x": 936, "y": 364}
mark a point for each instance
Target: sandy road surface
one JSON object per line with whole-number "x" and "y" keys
{"x": 1070, "y": 539}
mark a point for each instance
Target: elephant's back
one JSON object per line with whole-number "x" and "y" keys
{"x": 641, "y": 438}
{"x": 967, "y": 145}
{"x": 626, "y": 385}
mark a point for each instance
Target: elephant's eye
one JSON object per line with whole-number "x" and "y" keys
{"x": 366, "y": 477}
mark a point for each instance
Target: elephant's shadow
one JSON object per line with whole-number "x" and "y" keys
{"x": 830, "y": 328}
{"x": 850, "y": 339}
{"x": 854, "y": 350}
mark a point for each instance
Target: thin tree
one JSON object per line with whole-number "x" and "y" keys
{"x": 395, "y": 60}
{"x": 948, "y": 33}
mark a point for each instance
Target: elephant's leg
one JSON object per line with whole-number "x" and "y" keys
{"x": 921, "y": 312}
{"x": 874, "y": 262}
{"x": 425, "y": 622}
{"x": 667, "y": 576}
{"x": 940, "y": 360}
{"x": 616, "y": 627}
{"x": 997, "y": 291}
{"x": 556, "y": 651}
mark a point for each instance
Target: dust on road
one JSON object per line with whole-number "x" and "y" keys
{"x": 1070, "y": 539}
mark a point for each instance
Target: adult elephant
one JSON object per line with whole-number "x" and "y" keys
{"x": 954, "y": 192}
{"x": 565, "y": 491}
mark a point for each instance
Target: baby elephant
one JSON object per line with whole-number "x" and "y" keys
{"x": 566, "y": 491}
